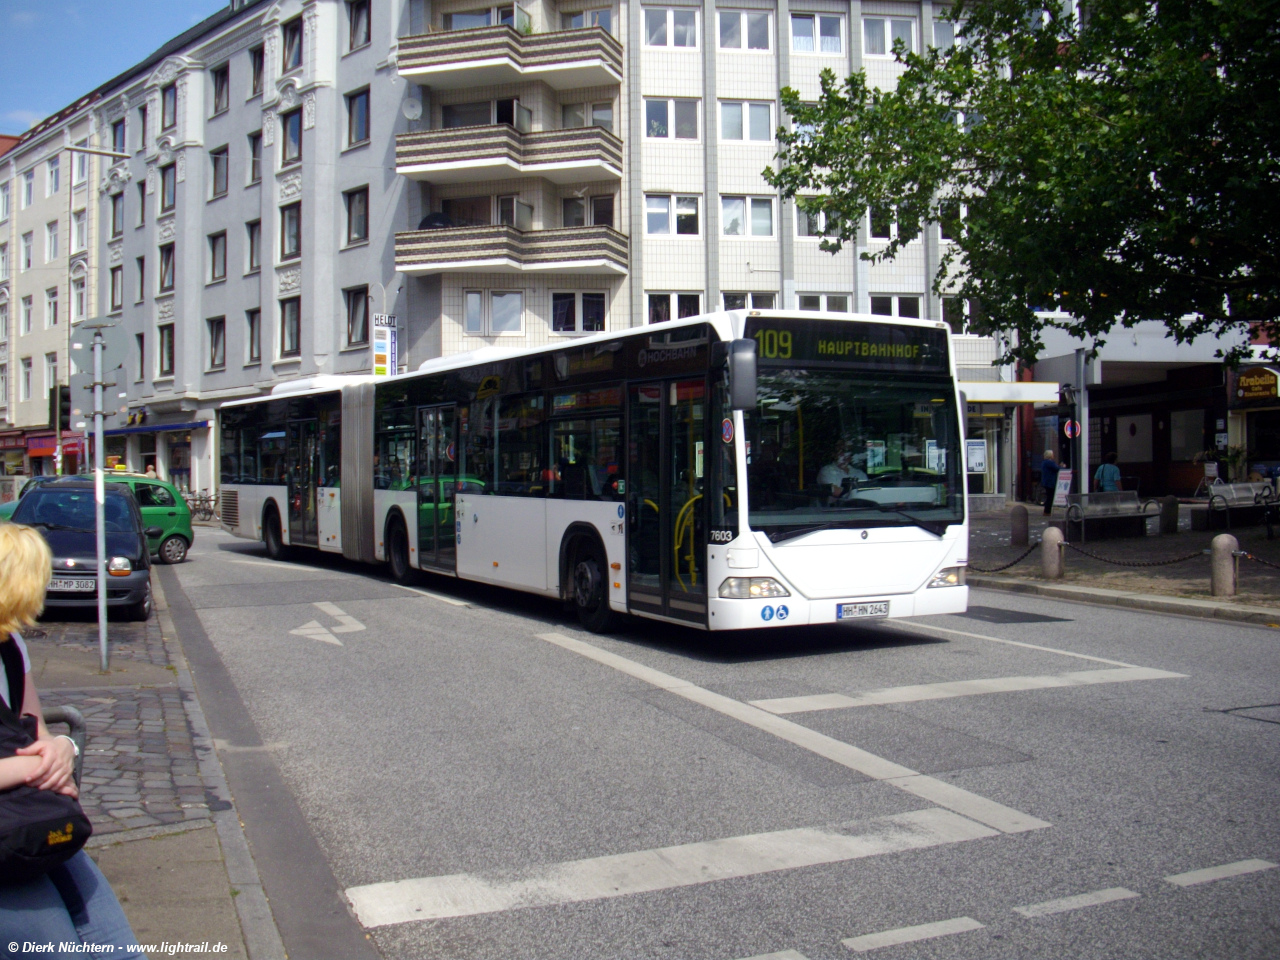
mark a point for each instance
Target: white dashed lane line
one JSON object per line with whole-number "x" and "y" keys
{"x": 925, "y": 931}
{"x": 1078, "y": 902}
{"x": 1210, "y": 874}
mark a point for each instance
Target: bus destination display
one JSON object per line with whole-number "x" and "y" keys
{"x": 870, "y": 346}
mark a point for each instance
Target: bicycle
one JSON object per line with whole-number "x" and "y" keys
{"x": 204, "y": 506}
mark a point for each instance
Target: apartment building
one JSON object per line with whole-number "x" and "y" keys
{"x": 48, "y": 217}
{"x": 491, "y": 176}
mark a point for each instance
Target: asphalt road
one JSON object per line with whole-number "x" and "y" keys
{"x": 460, "y": 772}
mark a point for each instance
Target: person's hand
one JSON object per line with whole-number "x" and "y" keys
{"x": 57, "y": 764}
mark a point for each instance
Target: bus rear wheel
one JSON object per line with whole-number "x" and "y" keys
{"x": 591, "y": 588}
{"x": 398, "y": 551}
{"x": 276, "y": 548}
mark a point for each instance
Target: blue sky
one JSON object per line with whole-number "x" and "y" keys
{"x": 58, "y": 50}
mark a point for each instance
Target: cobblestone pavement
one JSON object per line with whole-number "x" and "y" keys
{"x": 140, "y": 767}
{"x": 1259, "y": 584}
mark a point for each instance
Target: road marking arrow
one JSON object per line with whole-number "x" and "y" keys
{"x": 317, "y": 631}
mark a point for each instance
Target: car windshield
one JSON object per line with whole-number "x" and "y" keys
{"x": 72, "y": 510}
{"x": 831, "y": 449}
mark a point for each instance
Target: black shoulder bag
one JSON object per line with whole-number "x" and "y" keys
{"x": 39, "y": 829}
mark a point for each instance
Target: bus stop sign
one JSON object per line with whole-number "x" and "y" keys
{"x": 1072, "y": 429}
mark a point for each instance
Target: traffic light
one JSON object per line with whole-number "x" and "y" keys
{"x": 60, "y": 408}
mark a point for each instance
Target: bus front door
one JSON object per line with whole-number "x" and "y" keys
{"x": 437, "y": 487}
{"x": 666, "y": 549}
{"x": 303, "y": 467}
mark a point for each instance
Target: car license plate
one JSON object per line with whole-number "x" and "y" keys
{"x": 79, "y": 586}
{"x": 856, "y": 611}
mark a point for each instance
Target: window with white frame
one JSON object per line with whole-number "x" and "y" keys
{"x": 28, "y": 251}
{"x": 25, "y": 319}
{"x": 164, "y": 362}
{"x": 602, "y": 18}
{"x": 28, "y": 189}
{"x": 950, "y": 219}
{"x": 577, "y": 312}
{"x": 879, "y": 34}
{"x": 4, "y": 201}
{"x": 4, "y": 261}
{"x": 512, "y": 15}
{"x": 831, "y": 302}
{"x": 50, "y": 372}
{"x": 51, "y": 307}
{"x": 53, "y": 176}
{"x": 79, "y": 230}
{"x": 357, "y": 303}
{"x": 77, "y": 299}
{"x": 671, "y": 215}
{"x": 817, "y": 33}
{"x": 816, "y": 224}
{"x": 671, "y": 27}
{"x": 51, "y": 241}
{"x": 673, "y": 306}
{"x": 747, "y": 216}
{"x": 217, "y": 331}
{"x": 880, "y": 223}
{"x": 671, "y": 119}
{"x": 574, "y": 115}
{"x": 142, "y": 128}
{"x": 746, "y": 121}
{"x": 4, "y": 329}
{"x": 24, "y": 379}
{"x": 81, "y": 164}
{"x": 757, "y": 301}
{"x": 4, "y": 384}
{"x": 493, "y": 313}
{"x": 884, "y": 305}
{"x": 944, "y": 35}
{"x": 744, "y": 30}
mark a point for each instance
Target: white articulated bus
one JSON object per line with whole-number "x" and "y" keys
{"x": 735, "y": 470}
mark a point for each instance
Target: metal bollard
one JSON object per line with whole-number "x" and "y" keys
{"x": 1051, "y": 553}
{"x": 1222, "y": 565}
{"x": 1168, "y": 515}
{"x": 1019, "y": 526}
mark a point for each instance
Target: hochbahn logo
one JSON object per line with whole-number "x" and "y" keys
{"x": 666, "y": 354}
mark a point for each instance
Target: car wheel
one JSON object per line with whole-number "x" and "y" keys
{"x": 398, "y": 551}
{"x": 140, "y": 611}
{"x": 590, "y": 588}
{"x": 276, "y": 548}
{"x": 173, "y": 549}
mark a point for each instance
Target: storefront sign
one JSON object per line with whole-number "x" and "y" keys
{"x": 1259, "y": 383}
{"x": 1063, "y": 488}
{"x": 386, "y": 360}
{"x": 975, "y": 456}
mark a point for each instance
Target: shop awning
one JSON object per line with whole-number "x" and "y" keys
{"x": 159, "y": 428}
{"x": 996, "y": 391}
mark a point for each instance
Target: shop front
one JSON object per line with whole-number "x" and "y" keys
{"x": 179, "y": 452}
{"x": 13, "y": 453}
{"x": 1255, "y": 420}
{"x": 42, "y": 452}
{"x": 991, "y": 440}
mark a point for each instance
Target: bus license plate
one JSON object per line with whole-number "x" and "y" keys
{"x": 80, "y": 586}
{"x": 855, "y": 611}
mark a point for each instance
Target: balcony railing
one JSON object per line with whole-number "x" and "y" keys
{"x": 504, "y": 249}
{"x": 472, "y": 154}
{"x": 486, "y": 56}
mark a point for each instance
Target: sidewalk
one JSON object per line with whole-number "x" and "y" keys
{"x": 166, "y": 832}
{"x": 1116, "y": 573}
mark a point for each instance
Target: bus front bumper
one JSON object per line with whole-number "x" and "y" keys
{"x": 725, "y": 614}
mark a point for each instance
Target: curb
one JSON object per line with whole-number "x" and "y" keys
{"x": 258, "y": 927}
{"x": 1151, "y": 603}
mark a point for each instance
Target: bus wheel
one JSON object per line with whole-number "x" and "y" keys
{"x": 276, "y": 549}
{"x": 398, "y": 551}
{"x": 590, "y": 588}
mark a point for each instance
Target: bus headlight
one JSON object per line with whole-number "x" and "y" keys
{"x": 752, "y": 588}
{"x": 948, "y": 577}
{"x": 119, "y": 567}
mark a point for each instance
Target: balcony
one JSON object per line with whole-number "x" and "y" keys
{"x": 504, "y": 249}
{"x": 471, "y": 154}
{"x": 487, "y": 56}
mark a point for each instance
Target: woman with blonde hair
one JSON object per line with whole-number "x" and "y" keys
{"x": 71, "y": 905}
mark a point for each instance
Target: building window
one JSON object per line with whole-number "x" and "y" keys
{"x": 4, "y": 261}
{"x": 77, "y": 299}
{"x": 588, "y": 18}
{"x": 221, "y": 166}
{"x": 292, "y": 35}
{"x": 4, "y": 201}
{"x": 141, "y": 289}
{"x": 169, "y": 107}
{"x": 221, "y": 89}
{"x": 50, "y": 373}
{"x": 357, "y": 300}
{"x": 357, "y": 203}
{"x": 253, "y": 246}
{"x": 142, "y": 128}
{"x": 217, "y": 342}
{"x": 879, "y": 34}
{"x": 501, "y": 313}
{"x": 886, "y": 306}
{"x": 167, "y": 264}
{"x": 880, "y": 220}
{"x": 255, "y": 156}
{"x": 574, "y": 115}
{"x": 357, "y": 117}
{"x": 24, "y": 382}
{"x": 28, "y": 248}
{"x": 142, "y": 204}
{"x": 140, "y": 353}
{"x": 835, "y": 302}
{"x": 816, "y": 224}
{"x": 944, "y": 35}
{"x": 670, "y": 28}
{"x": 291, "y": 327}
{"x": 358, "y": 33}
{"x": 117, "y": 214}
{"x": 685, "y": 305}
{"x": 253, "y": 335}
{"x": 28, "y": 189}
{"x": 53, "y": 176}
{"x": 291, "y": 231}
{"x": 950, "y": 216}
{"x": 676, "y": 119}
{"x": 602, "y": 211}
{"x": 117, "y": 136}
{"x": 168, "y": 188}
{"x": 577, "y": 312}
{"x": 51, "y": 307}
{"x": 117, "y": 288}
{"x": 4, "y": 384}
{"x": 165, "y": 330}
{"x": 79, "y": 231}
{"x": 4, "y": 330}
{"x": 744, "y": 30}
{"x": 658, "y": 215}
{"x": 734, "y": 213}
{"x": 745, "y": 121}
{"x": 81, "y": 165}
{"x": 51, "y": 241}
{"x": 759, "y": 301}
{"x": 291, "y": 130}
{"x": 257, "y": 70}
{"x": 27, "y": 310}
{"x": 816, "y": 34}
{"x": 218, "y": 256}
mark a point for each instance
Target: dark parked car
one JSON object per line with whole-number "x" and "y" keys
{"x": 64, "y": 513}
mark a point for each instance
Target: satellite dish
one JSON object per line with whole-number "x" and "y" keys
{"x": 411, "y": 108}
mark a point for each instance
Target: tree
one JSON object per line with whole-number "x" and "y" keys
{"x": 1116, "y": 166}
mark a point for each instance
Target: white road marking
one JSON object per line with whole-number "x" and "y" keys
{"x": 346, "y": 624}
{"x": 1004, "y": 819}
{"x": 1078, "y": 902}
{"x": 783, "y": 955}
{"x": 925, "y": 931}
{"x": 1012, "y": 643}
{"x": 315, "y": 631}
{"x": 960, "y": 688}
{"x": 224, "y": 747}
{"x": 262, "y": 563}
{"x": 433, "y": 596}
{"x": 462, "y": 895}
{"x": 1209, "y": 874}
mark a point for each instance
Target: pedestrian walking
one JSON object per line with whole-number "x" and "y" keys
{"x": 1049, "y": 468}
{"x": 72, "y": 906}
{"x": 1107, "y": 476}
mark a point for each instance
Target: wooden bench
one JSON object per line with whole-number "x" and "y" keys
{"x": 1113, "y": 513}
{"x": 1241, "y": 504}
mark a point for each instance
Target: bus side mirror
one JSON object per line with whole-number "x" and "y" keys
{"x": 742, "y": 374}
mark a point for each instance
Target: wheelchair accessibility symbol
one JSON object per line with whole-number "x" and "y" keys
{"x": 766, "y": 614}
{"x": 783, "y": 612}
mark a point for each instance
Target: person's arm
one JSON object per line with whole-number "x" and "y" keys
{"x": 55, "y": 757}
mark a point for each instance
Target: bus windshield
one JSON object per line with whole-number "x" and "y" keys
{"x": 830, "y": 448}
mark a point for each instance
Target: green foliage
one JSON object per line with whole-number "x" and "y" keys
{"x": 1119, "y": 170}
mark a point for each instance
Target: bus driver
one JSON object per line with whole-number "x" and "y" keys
{"x": 840, "y": 470}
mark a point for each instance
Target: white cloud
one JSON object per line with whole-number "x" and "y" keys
{"x": 23, "y": 16}
{"x": 24, "y": 117}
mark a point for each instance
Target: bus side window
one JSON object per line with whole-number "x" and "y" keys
{"x": 520, "y": 467}
{"x": 478, "y": 444}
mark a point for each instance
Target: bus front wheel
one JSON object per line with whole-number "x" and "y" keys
{"x": 591, "y": 588}
{"x": 398, "y": 551}
{"x": 276, "y": 548}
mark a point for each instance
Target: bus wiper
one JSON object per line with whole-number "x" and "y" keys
{"x": 794, "y": 532}
{"x": 936, "y": 527}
